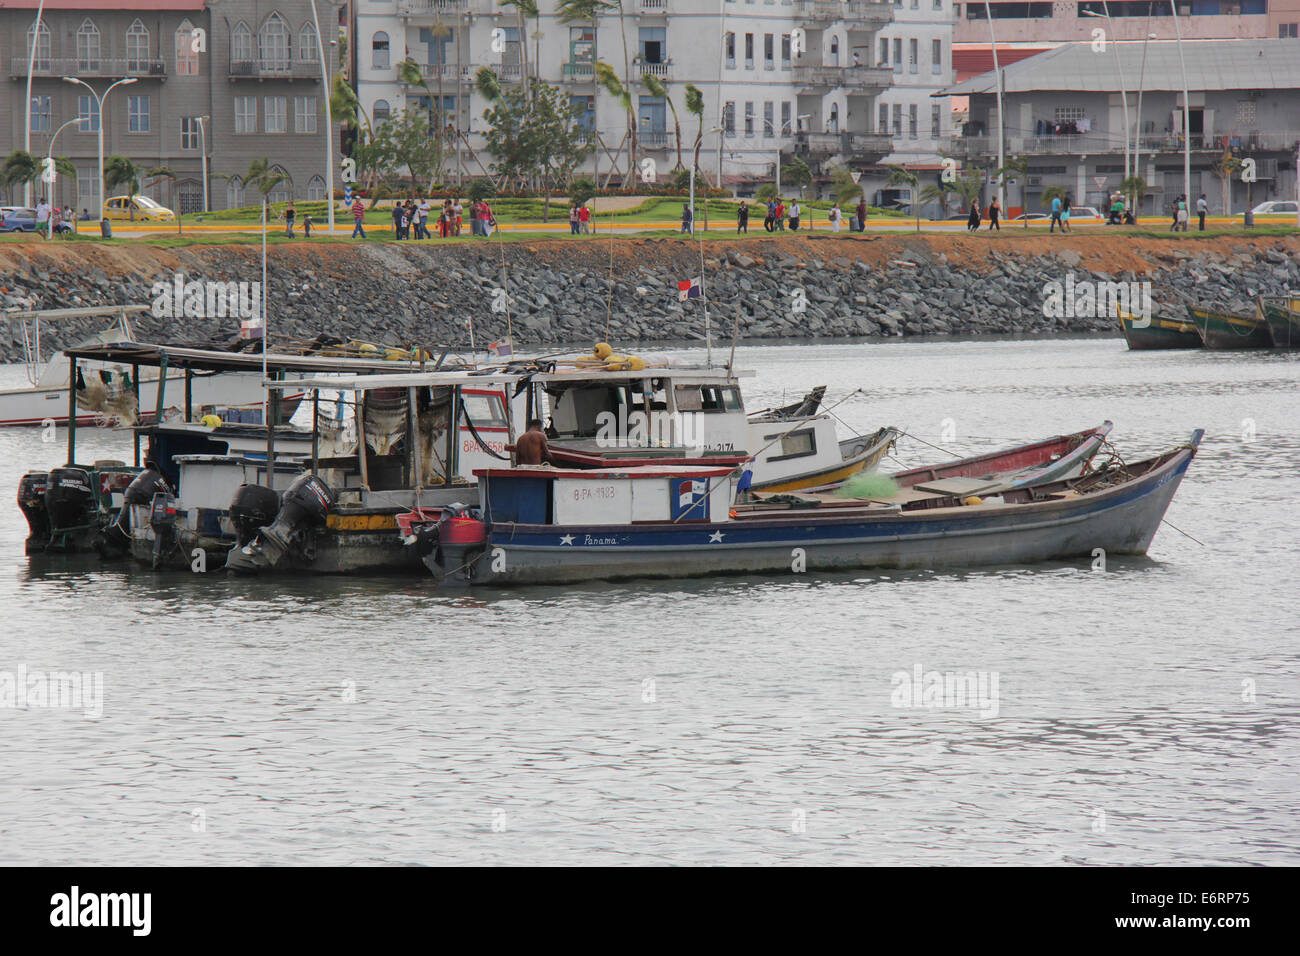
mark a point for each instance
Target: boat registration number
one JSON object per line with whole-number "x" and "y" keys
{"x": 595, "y": 493}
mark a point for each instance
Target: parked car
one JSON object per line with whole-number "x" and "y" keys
{"x": 1032, "y": 217}
{"x": 1275, "y": 207}
{"x": 23, "y": 219}
{"x": 146, "y": 210}
{"x": 1085, "y": 212}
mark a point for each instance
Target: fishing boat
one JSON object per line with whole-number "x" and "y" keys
{"x": 1227, "y": 330}
{"x": 1158, "y": 332}
{"x": 562, "y": 526}
{"x": 1282, "y": 315}
{"x": 1051, "y": 459}
{"x": 106, "y": 391}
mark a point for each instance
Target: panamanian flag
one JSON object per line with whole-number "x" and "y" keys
{"x": 251, "y": 328}
{"x": 499, "y": 349}
{"x": 688, "y": 289}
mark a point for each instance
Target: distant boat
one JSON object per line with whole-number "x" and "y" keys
{"x": 1158, "y": 332}
{"x": 1227, "y": 330}
{"x": 1282, "y": 315}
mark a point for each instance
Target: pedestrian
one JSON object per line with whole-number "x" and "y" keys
{"x": 835, "y": 216}
{"x": 794, "y": 215}
{"x": 42, "y": 214}
{"x": 688, "y": 218}
{"x": 306, "y": 227}
{"x": 862, "y": 214}
{"x": 769, "y": 220}
{"x": 486, "y": 219}
{"x": 457, "y": 210}
{"x": 288, "y": 219}
{"x": 742, "y": 218}
{"x": 1056, "y": 215}
{"x": 1202, "y": 208}
{"x": 1173, "y": 223}
{"x": 778, "y": 216}
{"x": 397, "y": 220}
{"x": 973, "y": 220}
{"x": 995, "y": 210}
{"x": 584, "y": 218}
{"x": 358, "y": 217}
{"x": 446, "y": 220}
{"x": 1065, "y": 214}
{"x": 422, "y": 220}
{"x": 574, "y": 221}
{"x": 1182, "y": 213}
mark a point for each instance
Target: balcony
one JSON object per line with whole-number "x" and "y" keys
{"x": 654, "y": 139}
{"x": 104, "y": 67}
{"x": 577, "y": 73}
{"x": 661, "y": 70}
{"x": 1093, "y": 144}
{"x": 834, "y": 77}
{"x": 856, "y": 147}
{"x": 432, "y": 8}
{"x": 446, "y": 73}
{"x": 653, "y": 8}
{"x": 859, "y": 14}
{"x": 511, "y": 72}
{"x": 274, "y": 69}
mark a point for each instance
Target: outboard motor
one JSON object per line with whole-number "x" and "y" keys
{"x": 31, "y": 499}
{"x": 162, "y": 519}
{"x": 454, "y": 544}
{"x": 141, "y": 491}
{"x": 69, "y": 499}
{"x": 253, "y": 507}
{"x": 303, "y": 510}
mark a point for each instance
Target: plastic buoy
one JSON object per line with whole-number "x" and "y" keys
{"x": 602, "y": 350}
{"x": 973, "y": 500}
{"x": 210, "y": 421}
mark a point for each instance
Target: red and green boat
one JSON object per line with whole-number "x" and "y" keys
{"x": 1229, "y": 330}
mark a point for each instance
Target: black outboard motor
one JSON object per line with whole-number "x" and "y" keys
{"x": 141, "y": 491}
{"x": 69, "y": 499}
{"x": 303, "y": 509}
{"x": 162, "y": 519}
{"x": 31, "y": 499}
{"x": 253, "y": 507}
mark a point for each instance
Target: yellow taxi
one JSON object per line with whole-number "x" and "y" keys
{"x": 145, "y": 209}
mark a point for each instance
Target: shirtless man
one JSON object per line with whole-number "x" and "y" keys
{"x": 531, "y": 449}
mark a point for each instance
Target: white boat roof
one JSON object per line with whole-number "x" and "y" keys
{"x": 53, "y": 315}
{"x": 712, "y": 376}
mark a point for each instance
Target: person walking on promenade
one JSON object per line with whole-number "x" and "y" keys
{"x": 835, "y": 216}
{"x": 973, "y": 220}
{"x": 686, "y": 218}
{"x": 794, "y": 215}
{"x": 862, "y": 214}
{"x": 1056, "y": 215}
{"x": 574, "y": 221}
{"x": 306, "y": 227}
{"x": 1065, "y": 213}
{"x": 289, "y": 215}
{"x": 584, "y": 219}
{"x": 358, "y": 218}
{"x": 778, "y": 216}
{"x": 397, "y": 220}
{"x": 742, "y": 219}
{"x": 457, "y": 212}
{"x": 485, "y": 215}
{"x": 1173, "y": 225}
{"x": 995, "y": 210}
{"x": 1183, "y": 215}
{"x": 422, "y": 219}
{"x": 1202, "y": 208}
{"x": 769, "y": 220}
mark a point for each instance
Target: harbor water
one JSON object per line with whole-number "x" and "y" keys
{"x": 1132, "y": 711}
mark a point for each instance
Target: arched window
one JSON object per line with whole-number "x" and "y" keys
{"x": 835, "y": 118}
{"x": 382, "y": 112}
{"x": 241, "y": 44}
{"x": 234, "y": 193}
{"x": 308, "y": 51}
{"x": 283, "y": 190}
{"x": 87, "y": 46}
{"x": 42, "y": 44}
{"x": 137, "y": 48}
{"x": 315, "y": 189}
{"x": 379, "y": 51}
{"x": 187, "y": 58}
{"x": 273, "y": 44}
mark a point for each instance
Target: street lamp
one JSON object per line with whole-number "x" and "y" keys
{"x": 49, "y": 166}
{"x": 1119, "y": 68}
{"x": 1002, "y": 146}
{"x": 1137, "y": 131}
{"x": 1187, "y": 117}
{"x": 203, "y": 145}
{"x": 779, "y": 134}
{"x": 99, "y": 104}
{"x": 31, "y": 67}
{"x": 698, "y": 144}
{"x": 329, "y": 119}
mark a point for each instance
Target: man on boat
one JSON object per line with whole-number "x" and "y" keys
{"x": 531, "y": 449}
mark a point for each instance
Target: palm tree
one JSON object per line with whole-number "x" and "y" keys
{"x": 163, "y": 172}
{"x": 1135, "y": 187}
{"x": 523, "y": 8}
{"x": 695, "y": 106}
{"x": 120, "y": 171}
{"x": 659, "y": 89}
{"x": 20, "y": 168}
{"x": 609, "y": 79}
{"x": 937, "y": 192}
{"x": 263, "y": 177}
{"x": 588, "y": 11}
{"x": 1054, "y": 192}
{"x": 1017, "y": 166}
{"x": 346, "y": 108}
{"x": 898, "y": 176}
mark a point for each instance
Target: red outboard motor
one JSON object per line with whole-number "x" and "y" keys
{"x": 31, "y": 499}
{"x": 304, "y": 508}
{"x": 455, "y": 543}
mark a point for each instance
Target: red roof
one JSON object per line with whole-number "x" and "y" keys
{"x": 970, "y": 62}
{"x": 134, "y": 5}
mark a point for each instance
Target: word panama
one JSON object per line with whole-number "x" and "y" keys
{"x": 64, "y": 690}
{"x": 935, "y": 689}
{"x": 103, "y": 909}
{"x": 206, "y": 299}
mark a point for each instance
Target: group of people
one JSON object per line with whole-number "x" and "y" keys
{"x": 1182, "y": 213}
{"x": 777, "y": 216}
{"x": 1060, "y": 213}
{"x": 976, "y": 216}
{"x": 579, "y": 219}
{"x": 411, "y": 219}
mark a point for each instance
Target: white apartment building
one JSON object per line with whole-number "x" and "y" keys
{"x": 790, "y": 76}
{"x": 917, "y": 46}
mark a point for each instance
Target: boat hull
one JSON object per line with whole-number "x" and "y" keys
{"x": 1122, "y": 520}
{"x": 1222, "y": 330}
{"x": 857, "y": 454}
{"x": 1283, "y": 325}
{"x": 1159, "y": 333}
{"x": 1052, "y": 459}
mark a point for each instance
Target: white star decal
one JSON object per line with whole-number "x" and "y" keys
{"x": 715, "y": 538}
{"x": 567, "y": 539}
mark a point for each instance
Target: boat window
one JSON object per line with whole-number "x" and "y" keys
{"x": 576, "y": 412}
{"x": 794, "y": 444}
{"x": 718, "y": 398}
{"x": 658, "y": 395}
{"x": 688, "y": 398}
{"x": 485, "y": 411}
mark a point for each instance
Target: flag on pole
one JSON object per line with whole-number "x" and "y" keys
{"x": 251, "y": 328}
{"x": 499, "y": 349}
{"x": 688, "y": 289}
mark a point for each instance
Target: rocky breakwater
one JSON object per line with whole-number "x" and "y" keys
{"x": 554, "y": 292}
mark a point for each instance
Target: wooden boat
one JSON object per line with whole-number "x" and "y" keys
{"x": 551, "y": 526}
{"x": 1063, "y": 456}
{"x": 1282, "y": 316}
{"x": 1158, "y": 332}
{"x": 1225, "y": 330}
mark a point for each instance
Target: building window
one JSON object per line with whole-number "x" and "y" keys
{"x": 273, "y": 44}
{"x": 833, "y": 124}
{"x": 1066, "y": 114}
{"x": 1287, "y": 31}
{"x": 137, "y": 48}
{"x": 729, "y": 118}
{"x": 308, "y": 49}
{"x": 769, "y": 119}
{"x": 936, "y": 56}
{"x": 245, "y": 114}
{"x": 898, "y": 119}
{"x": 187, "y": 58}
{"x": 88, "y": 46}
{"x": 382, "y": 112}
{"x": 882, "y": 121}
{"x": 911, "y": 121}
{"x": 241, "y": 44}
{"x": 379, "y": 51}
{"x": 235, "y": 188}
{"x": 87, "y": 186}
{"x": 913, "y": 55}
{"x": 769, "y": 51}
{"x": 189, "y": 132}
{"x": 304, "y": 114}
{"x": 785, "y": 117}
{"x": 729, "y": 46}
{"x": 938, "y": 4}
{"x": 586, "y": 107}
{"x": 884, "y": 52}
{"x": 42, "y": 45}
{"x": 41, "y": 115}
{"x": 315, "y": 189}
{"x": 934, "y": 121}
{"x": 137, "y": 114}
{"x": 88, "y": 113}
{"x": 1246, "y": 113}
{"x": 898, "y": 54}
{"x": 785, "y": 51}
{"x": 749, "y": 51}
{"x": 283, "y": 190}
{"x": 273, "y": 110}
{"x": 653, "y": 44}
{"x": 749, "y": 119}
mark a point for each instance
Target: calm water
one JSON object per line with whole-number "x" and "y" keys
{"x": 1147, "y": 713}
